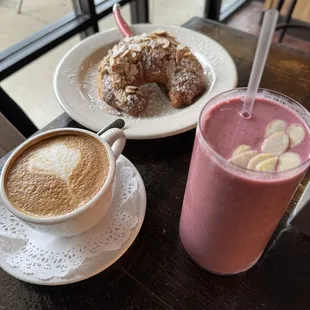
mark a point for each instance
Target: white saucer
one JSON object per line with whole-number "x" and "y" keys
{"x": 95, "y": 265}
{"x": 75, "y": 84}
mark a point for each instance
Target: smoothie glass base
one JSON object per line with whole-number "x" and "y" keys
{"x": 214, "y": 271}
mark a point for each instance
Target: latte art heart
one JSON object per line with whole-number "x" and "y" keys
{"x": 58, "y": 174}
{"x": 56, "y": 159}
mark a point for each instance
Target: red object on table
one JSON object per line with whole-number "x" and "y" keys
{"x": 121, "y": 23}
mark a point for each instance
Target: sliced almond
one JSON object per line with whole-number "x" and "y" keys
{"x": 180, "y": 53}
{"x": 289, "y": 160}
{"x": 164, "y": 42}
{"x": 173, "y": 41}
{"x": 258, "y": 159}
{"x": 120, "y": 67}
{"x": 276, "y": 144}
{"x": 136, "y": 48}
{"x": 268, "y": 165}
{"x": 125, "y": 53}
{"x": 242, "y": 159}
{"x": 277, "y": 125}
{"x": 131, "y": 89}
{"x": 160, "y": 32}
{"x": 296, "y": 134}
{"x": 240, "y": 149}
{"x": 112, "y": 62}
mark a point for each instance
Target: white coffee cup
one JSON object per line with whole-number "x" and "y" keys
{"x": 86, "y": 216}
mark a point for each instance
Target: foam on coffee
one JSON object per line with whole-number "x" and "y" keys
{"x": 57, "y": 159}
{"x": 57, "y": 175}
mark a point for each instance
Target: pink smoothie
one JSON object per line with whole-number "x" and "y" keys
{"x": 229, "y": 213}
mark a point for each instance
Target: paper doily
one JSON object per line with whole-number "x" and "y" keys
{"x": 46, "y": 256}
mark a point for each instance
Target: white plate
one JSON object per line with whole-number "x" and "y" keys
{"x": 75, "y": 83}
{"x": 95, "y": 265}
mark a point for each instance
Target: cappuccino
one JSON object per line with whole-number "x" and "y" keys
{"x": 57, "y": 175}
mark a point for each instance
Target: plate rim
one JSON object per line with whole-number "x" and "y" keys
{"x": 138, "y": 136}
{"x": 119, "y": 253}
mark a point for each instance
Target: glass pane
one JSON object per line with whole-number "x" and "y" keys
{"x": 108, "y": 22}
{"x": 34, "y": 15}
{"x": 161, "y": 12}
{"x": 175, "y": 12}
{"x": 32, "y": 86}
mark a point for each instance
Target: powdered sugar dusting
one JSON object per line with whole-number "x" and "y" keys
{"x": 158, "y": 104}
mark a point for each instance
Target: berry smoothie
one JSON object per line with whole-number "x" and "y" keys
{"x": 242, "y": 176}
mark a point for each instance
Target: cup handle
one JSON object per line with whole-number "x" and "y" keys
{"x": 116, "y": 139}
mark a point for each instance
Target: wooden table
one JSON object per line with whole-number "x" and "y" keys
{"x": 156, "y": 272}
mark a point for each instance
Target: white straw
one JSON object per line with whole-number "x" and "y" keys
{"x": 262, "y": 50}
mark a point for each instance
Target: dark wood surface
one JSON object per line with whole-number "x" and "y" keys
{"x": 156, "y": 272}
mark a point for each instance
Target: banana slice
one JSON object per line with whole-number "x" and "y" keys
{"x": 289, "y": 160}
{"x": 276, "y": 144}
{"x": 258, "y": 159}
{"x": 267, "y": 165}
{"x": 243, "y": 158}
{"x": 277, "y": 125}
{"x": 240, "y": 149}
{"x": 296, "y": 134}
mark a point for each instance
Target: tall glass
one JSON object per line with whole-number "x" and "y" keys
{"x": 230, "y": 213}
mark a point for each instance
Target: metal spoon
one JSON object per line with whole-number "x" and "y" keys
{"x": 118, "y": 123}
